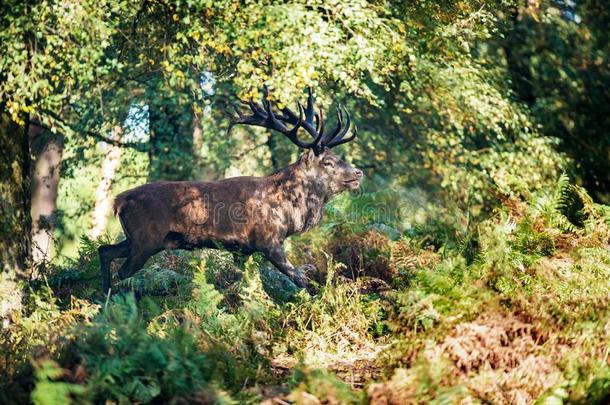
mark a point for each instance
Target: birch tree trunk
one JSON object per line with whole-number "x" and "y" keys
{"x": 47, "y": 151}
{"x": 103, "y": 193}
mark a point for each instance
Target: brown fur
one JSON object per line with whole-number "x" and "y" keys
{"x": 244, "y": 214}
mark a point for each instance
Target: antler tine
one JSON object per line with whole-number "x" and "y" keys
{"x": 336, "y": 138}
{"x": 296, "y": 127}
{"x": 292, "y": 117}
{"x": 298, "y": 123}
{"x": 346, "y": 140}
{"x": 292, "y": 134}
{"x": 320, "y": 129}
{"x": 316, "y": 130}
{"x": 237, "y": 111}
{"x": 308, "y": 127}
{"x": 309, "y": 112}
{"x": 340, "y": 141}
{"x": 257, "y": 118}
{"x": 275, "y": 123}
{"x": 256, "y": 108}
{"x": 329, "y": 137}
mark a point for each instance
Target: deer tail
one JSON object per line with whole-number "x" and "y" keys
{"x": 116, "y": 206}
{"x": 119, "y": 203}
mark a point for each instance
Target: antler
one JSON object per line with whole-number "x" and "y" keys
{"x": 264, "y": 116}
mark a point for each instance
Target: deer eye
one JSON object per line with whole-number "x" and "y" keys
{"x": 328, "y": 163}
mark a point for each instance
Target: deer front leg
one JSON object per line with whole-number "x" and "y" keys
{"x": 278, "y": 258}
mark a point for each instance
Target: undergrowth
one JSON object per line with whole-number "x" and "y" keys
{"x": 410, "y": 308}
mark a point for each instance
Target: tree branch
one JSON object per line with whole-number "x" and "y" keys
{"x": 139, "y": 146}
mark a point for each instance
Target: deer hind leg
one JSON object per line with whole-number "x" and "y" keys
{"x": 135, "y": 262}
{"x": 107, "y": 254}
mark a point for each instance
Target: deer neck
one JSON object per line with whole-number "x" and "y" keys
{"x": 304, "y": 197}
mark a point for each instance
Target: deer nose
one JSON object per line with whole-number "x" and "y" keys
{"x": 359, "y": 173}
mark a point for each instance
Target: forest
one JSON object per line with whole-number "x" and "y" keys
{"x": 471, "y": 265}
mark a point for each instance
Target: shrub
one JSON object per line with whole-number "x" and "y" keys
{"x": 39, "y": 332}
{"x": 125, "y": 363}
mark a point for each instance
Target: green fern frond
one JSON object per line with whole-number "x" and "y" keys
{"x": 551, "y": 205}
{"x": 49, "y": 391}
{"x": 205, "y": 297}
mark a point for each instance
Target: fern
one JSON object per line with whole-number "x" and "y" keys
{"x": 49, "y": 391}
{"x": 205, "y": 297}
{"x": 550, "y": 205}
{"x": 239, "y": 340}
{"x": 569, "y": 208}
{"x": 127, "y": 364}
{"x": 154, "y": 280}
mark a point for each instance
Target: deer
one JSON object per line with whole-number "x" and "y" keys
{"x": 243, "y": 214}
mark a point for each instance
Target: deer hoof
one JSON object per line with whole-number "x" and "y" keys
{"x": 308, "y": 269}
{"x": 299, "y": 276}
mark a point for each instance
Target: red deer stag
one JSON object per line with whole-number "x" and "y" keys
{"x": 245, "y": 214}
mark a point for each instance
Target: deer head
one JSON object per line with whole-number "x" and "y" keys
{"x": 324, "y": 165}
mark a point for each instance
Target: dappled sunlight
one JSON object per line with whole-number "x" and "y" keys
{"x": 344, "y": 202}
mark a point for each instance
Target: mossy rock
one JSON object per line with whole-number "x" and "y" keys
{"x": 277, "y": 285}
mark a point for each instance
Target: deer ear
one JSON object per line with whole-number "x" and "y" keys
{"x": 308, "y": 157}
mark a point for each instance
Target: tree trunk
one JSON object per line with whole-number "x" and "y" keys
{"x": 197, "y": 136}
{"x": 14, "y": 212}
{"x": 47, "y": 150}
{"x": 103, "y": 193}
